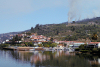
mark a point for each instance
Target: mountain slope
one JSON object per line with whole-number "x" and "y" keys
{"x": 70, "y": 31}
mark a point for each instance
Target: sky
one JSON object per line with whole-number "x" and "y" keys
{"x": 20, "y": 15}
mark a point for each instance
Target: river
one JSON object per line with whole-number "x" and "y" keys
{"x": 47, "y": 59}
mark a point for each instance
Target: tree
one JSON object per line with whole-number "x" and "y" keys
{"x": 28, "y": 33}
{"x": 53, "y": 45}
{"x": 30, "y": 44}
{"x": 51, "y": 39}
{"x": 81, "y": 46}
{"x": 13, "y": 41}
{"x": 37, "y": 26}
{"x": 57, "y": 32}
{"x": 73, "y": 22}
{"x": 72, "y": 28}
{"x": 65, "y": 44}
{"x": 40, "y": 45}
{"x": 94, "y": 37}
{"x": 32, "y": 29}
{"x": 16, "y": 38}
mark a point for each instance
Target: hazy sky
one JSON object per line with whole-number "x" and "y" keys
{"x": 20, "y": 15}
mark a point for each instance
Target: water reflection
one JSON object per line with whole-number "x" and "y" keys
{"x": 94, "y": 60}
{"x": 51, "y": 59}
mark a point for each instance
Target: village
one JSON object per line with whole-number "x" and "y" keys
{"x": 30, "y": 42}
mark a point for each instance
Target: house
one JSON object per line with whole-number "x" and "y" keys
{"x": 60, "y": 46}
{"x": 93, "y": 45}
{"x": 55, "y": 41}
{"x": 74, "y": 44}
{"x": 37, "y": 42}
{"x": 77, "y": 44}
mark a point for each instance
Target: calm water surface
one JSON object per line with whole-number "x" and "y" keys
{"x": 46, "y": 59}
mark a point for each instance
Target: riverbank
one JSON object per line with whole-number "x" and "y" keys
{"x": 88, "y": 51}
{"x": 23, "y": 48}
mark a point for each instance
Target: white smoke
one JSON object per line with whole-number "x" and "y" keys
{"x": 82, "y": 9}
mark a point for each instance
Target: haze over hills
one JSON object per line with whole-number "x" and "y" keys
{"x": 63, "y": 31}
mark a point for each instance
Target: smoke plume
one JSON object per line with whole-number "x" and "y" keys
{"x": 82, "y": 9}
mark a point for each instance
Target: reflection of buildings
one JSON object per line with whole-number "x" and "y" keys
{"x": 69, "y": 53}
{"x": 92, "y": 59}
{"x": 40, "y": 56}
{"x": 95, "y": 61}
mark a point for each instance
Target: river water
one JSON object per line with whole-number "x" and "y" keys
{"x": 47, "y": 59}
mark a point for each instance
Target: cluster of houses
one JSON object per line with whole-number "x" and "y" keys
{"x": 39, "y": 39}
{"x": 76, "y": 44}
{"x": 34, "y": 38}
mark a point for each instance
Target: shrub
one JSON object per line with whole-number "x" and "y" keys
{"x": 4, "y": 45}
{"x": 95, "y": 49}
{"x": 77, "y": 49}
{"x": 81, "y": 47}
{"x": 84, "y": 51}
{"x": 40, "y": 45}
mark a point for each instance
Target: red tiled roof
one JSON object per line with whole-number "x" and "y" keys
{"x": 78, "y": 42}
{"x": 94, "y": 42}
{"x": 70, "y": 42}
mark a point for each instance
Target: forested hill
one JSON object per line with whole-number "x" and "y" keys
{"x": 70, "y": 31}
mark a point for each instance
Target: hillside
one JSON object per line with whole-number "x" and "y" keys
{"x": 70, "y": 31}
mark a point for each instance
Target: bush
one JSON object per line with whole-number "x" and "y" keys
{"x": 81, "y": 47}
{"x": 77, "y": 49}
{"x": 84, "y": 51}
{"x": 4, "y": 45}
{"x": 40, "y": 45}
{"x": 49, "y": 44}
{"x": 29, "y": 44}
{"x": 95, "y": 49}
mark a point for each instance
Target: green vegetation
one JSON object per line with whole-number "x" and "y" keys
{"x": 90, "y": 50}
{"x": 15, "y": 38}
{"x": 29, "y": 44}
{"x": 49, "y": 44}
{"x": 68, "y": 32}
{"x": 4, "y": 45}
{"x": 94, "y": 37}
